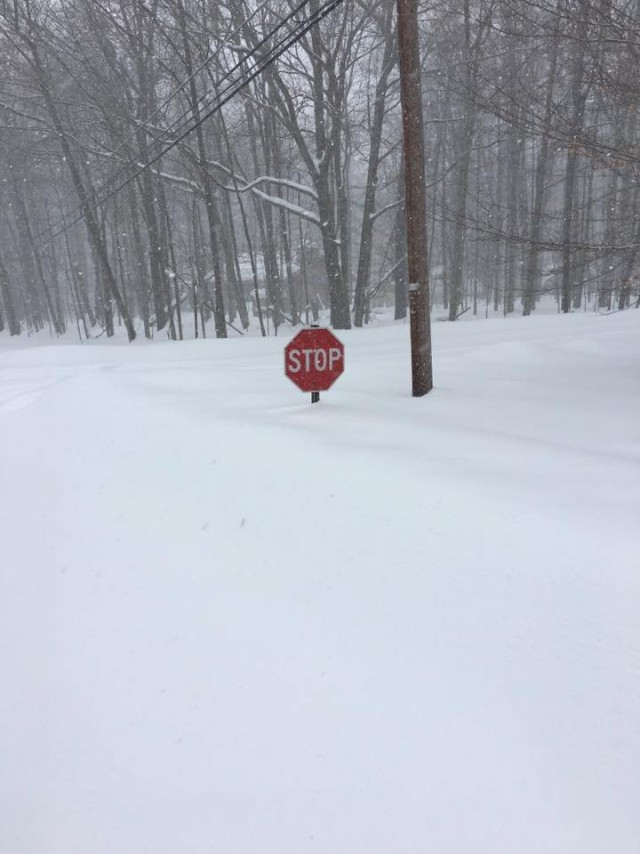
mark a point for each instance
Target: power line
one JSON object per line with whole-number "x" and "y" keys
{"x": 186, "y": 82}
{"x": 183, "y": 120}
{"x": 212, "y": 105}
{"x": 177, "y": 125}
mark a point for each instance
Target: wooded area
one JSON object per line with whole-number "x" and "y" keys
{"x": 185, "y": 165}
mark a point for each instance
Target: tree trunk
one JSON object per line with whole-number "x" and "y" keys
{"x": 363, "y": 274}
{"x": 7, "y": 301}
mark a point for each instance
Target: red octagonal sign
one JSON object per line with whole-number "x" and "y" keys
{"x": 314, "y": 359}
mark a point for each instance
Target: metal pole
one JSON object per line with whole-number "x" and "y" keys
{"x": 415, "y": 197}
{"x": 315, "y": 395}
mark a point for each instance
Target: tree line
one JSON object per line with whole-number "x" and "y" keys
{"x": 186, "y": 167}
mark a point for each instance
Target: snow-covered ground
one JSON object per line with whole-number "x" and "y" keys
{"x": 235, "y": 623}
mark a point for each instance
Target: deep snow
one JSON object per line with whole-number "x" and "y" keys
{"x": 234, "y": 622}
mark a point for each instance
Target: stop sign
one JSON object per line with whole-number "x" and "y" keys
{"x": 314, "y": 359}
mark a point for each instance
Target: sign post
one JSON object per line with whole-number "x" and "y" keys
{"x": 315, "y": 395}
{"x": 313, "y": 360}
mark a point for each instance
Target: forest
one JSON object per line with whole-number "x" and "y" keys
{"x": 191, "y": 168}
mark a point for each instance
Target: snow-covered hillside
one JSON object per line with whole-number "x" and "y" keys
{"x": 235, "y": 623}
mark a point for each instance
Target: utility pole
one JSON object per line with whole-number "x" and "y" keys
{"x": 415, "y": 197}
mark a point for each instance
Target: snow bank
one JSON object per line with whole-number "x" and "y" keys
{"x": 232, "y": 621}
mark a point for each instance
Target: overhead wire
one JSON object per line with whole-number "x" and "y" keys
{"x": 170, "y": 97}
{"x": 184, "y": 125}
{"x": 204, "y": 103}
{"x": 177, "y": 124}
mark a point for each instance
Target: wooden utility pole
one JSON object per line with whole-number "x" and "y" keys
{"x": 415, "y": 197}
